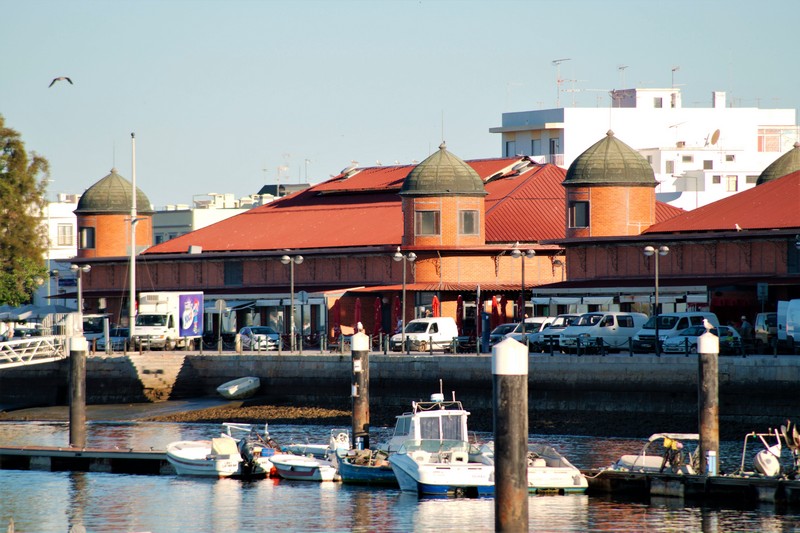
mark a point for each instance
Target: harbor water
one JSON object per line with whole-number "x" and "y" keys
{"x": 100, "y": 502}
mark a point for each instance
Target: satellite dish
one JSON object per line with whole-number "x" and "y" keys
{"x": 715, "y": 137}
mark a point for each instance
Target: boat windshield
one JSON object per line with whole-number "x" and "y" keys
{"x": 442, "y": 427}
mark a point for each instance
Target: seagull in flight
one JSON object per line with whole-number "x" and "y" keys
{"x": 59, "y": 79}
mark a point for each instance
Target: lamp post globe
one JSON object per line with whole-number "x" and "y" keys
{"x": 291, "y": 261}
{"x": 409, "y": 257}
{"x": 650, "y": 251}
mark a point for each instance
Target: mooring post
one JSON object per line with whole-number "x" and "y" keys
{"x": 359, "y": 345}
{"x": 77, "y": 392}
{"x": 510, "y": 405}
{"x": 708, "y": 401}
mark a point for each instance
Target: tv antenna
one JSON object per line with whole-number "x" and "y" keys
{"x": 559, "y": 81}
{"x": 621, "y": 70}
{"x": 674, "y": 69}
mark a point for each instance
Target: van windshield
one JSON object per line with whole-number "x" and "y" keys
{"x": 664, "y": 322}
{"x": 151, "y": 320}
{"x": 417, "y": 327}
{"x": 587, "y": 320}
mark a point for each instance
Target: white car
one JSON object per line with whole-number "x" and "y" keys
{"x": 260, "y": 338}
{"x": 730, "y": 342}
{"x": 117, "y": 337}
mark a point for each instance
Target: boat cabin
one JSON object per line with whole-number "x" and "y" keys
{"x": 433, "y": 420}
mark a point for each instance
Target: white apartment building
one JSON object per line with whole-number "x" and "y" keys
{"x": 62, "y": 231}
{"x": 206, "y": 209}
{"x": 699, "y": 154}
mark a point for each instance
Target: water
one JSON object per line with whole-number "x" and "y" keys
{"x": 54, "y": 501}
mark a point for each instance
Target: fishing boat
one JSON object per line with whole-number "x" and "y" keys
{"x": 549, "y": 472}
{"x": 317, "y": 463}
{"x": 240, "y": 388}
{"x": 238, "y": 452}
{"x": 366, "y": 467}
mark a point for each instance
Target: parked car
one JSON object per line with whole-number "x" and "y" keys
{"x": 765, "y": 330}
{"x": 541, "y": 341}
{"x": 422, "y": 333}
{"x": 500, "y": 331}
{"x": 610, "y": 329}
{"x": 730, "y": 342}
{"x": 117, "y": 339}
{"x": 532, "y": 324}
{"x": 260, "y": 338}
{"x": 669, "y": 325}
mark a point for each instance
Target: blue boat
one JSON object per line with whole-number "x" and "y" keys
{"x": 366, "y": 467}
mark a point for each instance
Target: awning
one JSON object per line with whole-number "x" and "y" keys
{"x": 565, "y": 301}
{"x": 540, "y": 301}
{"x": 598, "y": 300}
{"x": 230, "y": 305}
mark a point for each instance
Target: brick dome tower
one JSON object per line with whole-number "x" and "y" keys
{"x": 784, "y": 165}
{"x": 104, "y": 213}
{"x": 610, "y": 191}
{"x": 443, "y": 203}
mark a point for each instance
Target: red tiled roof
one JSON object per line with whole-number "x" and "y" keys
{"x": 771, "y": 205}
{"x": 364, "y": 209}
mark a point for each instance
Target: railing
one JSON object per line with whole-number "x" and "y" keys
{"x": 32, "y": 350}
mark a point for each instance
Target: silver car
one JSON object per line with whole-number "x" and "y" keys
{"x": 260, "y": 338}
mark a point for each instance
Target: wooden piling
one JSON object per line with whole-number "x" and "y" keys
{"x": 708, "y": 400}
{"x": 360, "y": 389}
{"x": 77, "y": 392}
{"x": 510, "y": 405}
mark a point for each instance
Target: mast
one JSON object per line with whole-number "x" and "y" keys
{"x": 132, "y": 297}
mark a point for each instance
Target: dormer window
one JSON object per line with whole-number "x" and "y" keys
{"x": 427, "y": 223}
{"x": 468, "y": 222}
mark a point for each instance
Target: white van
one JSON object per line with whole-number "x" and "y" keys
{"x": 422, "y": 333}
{"x": 614, "y": 328}
{"x": 669, "y": 325}
{"x": 532, "y": 325}
{"x": 792, "y": 325}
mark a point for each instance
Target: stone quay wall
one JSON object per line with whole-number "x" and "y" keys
{"x": 753, "y": 388}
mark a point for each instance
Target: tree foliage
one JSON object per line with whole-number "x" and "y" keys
{"x": 23, "y": 237}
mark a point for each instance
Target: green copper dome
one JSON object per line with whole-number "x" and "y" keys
{"x": 112, "y": 194}
{"x": 443, "y": 174}
{"x": 785, "y": 164}
{"x": 610, "y": 162}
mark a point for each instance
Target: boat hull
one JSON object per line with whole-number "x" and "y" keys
{"x": 366, "y": 475}
{"x": 239, "y": 389}
{"x": 301, "y": 468}
{"x": 199, "y": 458}
{"x": 442, "y": 479}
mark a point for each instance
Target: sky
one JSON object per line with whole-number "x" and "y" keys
{"x": 226, "y": 96}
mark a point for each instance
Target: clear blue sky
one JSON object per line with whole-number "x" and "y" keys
{"x": 219, "y": 91}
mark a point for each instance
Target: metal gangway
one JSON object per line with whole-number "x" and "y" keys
{"x": 33, "y": 350}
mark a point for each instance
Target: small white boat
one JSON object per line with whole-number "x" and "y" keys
{"x": 239, "y": 389}
{"x": 304, "y": 468}
{"x": 676, "y": 458}
{"x": 224, "y": 456}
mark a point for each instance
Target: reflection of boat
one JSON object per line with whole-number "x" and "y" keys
{"x": 369, "y": 467}
{"x": 240, "y": 388}
{"x": 549, "y": 472}
{"x": 675, "y": 458}
{"x": 224, "y": 456}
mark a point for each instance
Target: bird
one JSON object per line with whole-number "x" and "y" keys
{"x": 59, "y": 79}
{"x": 708, "y": 325}
{"x": 738, "y": 227}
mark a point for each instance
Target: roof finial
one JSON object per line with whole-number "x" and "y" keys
{"x": 443, "y": 146}
{"x": 610, "y": 133}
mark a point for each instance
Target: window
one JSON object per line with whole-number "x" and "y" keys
{"x": 658, "y": 102}
{"x": 730, "y": 158}
{"x": 65, "y": 235}
{"x": 511, "y": 147}
{"x": 716, "y": 180}
{"x": 87, "y": 238}
{"x": 751, "y": 180}
{"x": 708, "y": 164}
{"x": 670, "y": 167}
{"x": 731, "y": 183}
{"x": 579, "y": 215}
{"x": 536, "y": 147}
{"x": 159, "y": 238}
{"x": 625, "y": 321}
{"x": 650, "y": 160}
{"x": 468, "y": 222}
{"x": 426, "y": 223}
{"x": 687, "y": 158}
{"x": 234, "y": 273}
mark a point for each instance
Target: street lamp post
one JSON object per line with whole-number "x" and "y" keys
{"x": 410, "y": 257}
{"x": 650, "y": 251}
{"x": 79, "y": 270}
{"x": 517, "y": 253}
{"x": 291, "y": 261}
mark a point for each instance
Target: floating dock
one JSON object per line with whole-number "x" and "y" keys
{"x": 116, "y": 461}
{"x": 728, "y": 489}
